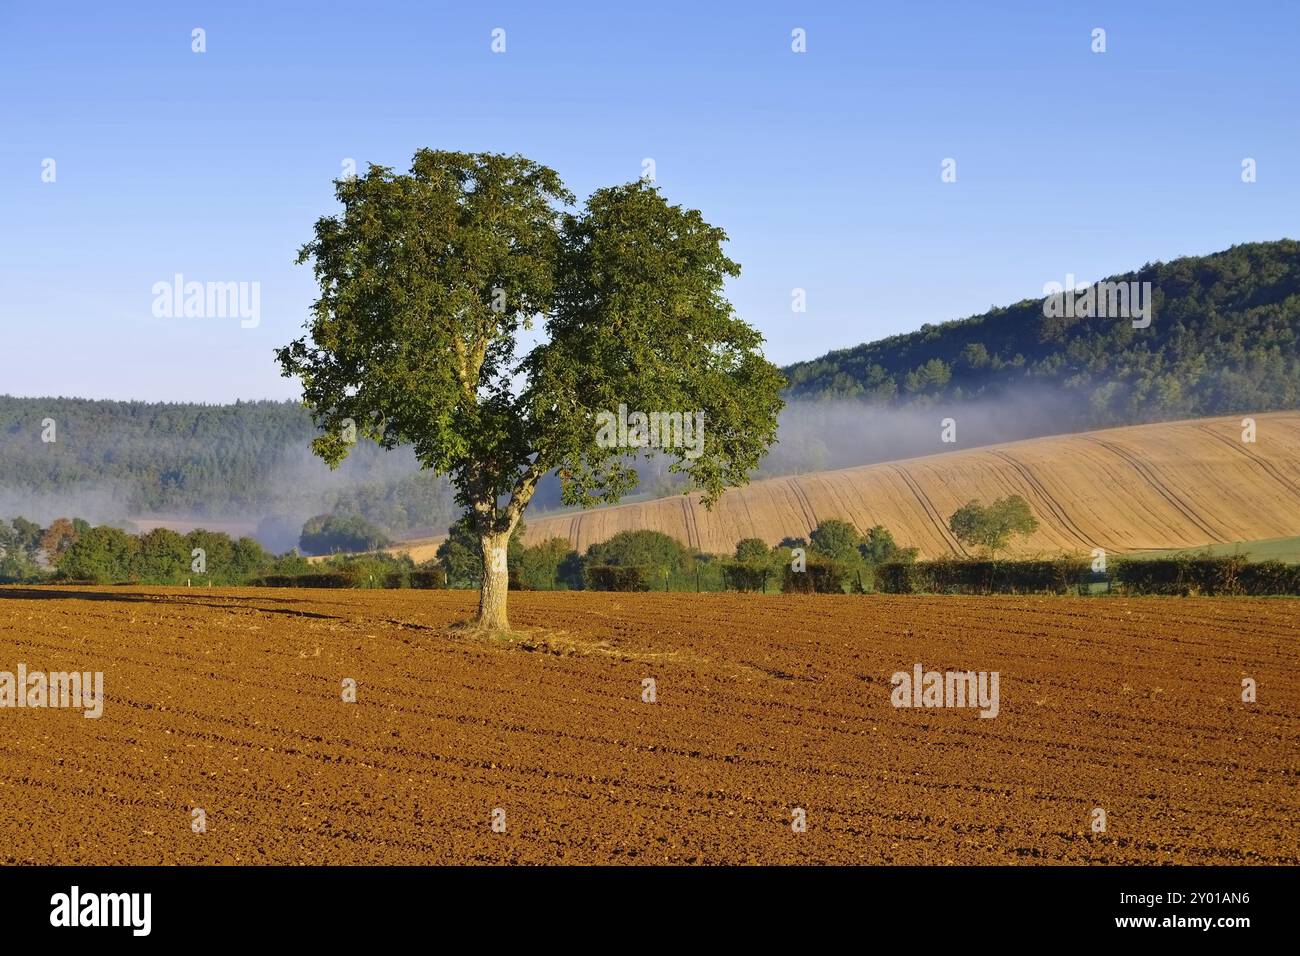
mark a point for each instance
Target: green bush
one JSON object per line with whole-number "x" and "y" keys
{"x": 1270, "y": 577}
{"x": 975, "y": 576}
{"x": 1204, "y": 574}
{"x": 609, "y": 577}
{"x": 276, "y": 581}
{"x": 977, "y": 526}
{"x": 643, "y": 549}
{"x": 162, "y": 558}
{"x": 428, "y": 578}
{"x": 821, "y": 577}
{"x": 324, "y": 579}
{"x": 835, "y": 540}
{"x": 103, "y": 555}
{"x": 539, "y": 566}
{"x": 744, "y": 576}
{"x": 897, "y": 577}
{"x": 289, "y": 565}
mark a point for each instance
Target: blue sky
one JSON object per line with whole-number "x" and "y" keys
{"x": 823, "y": 167}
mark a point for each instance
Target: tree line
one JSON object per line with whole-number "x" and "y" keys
{"x": 834, "y": 558}
{"x": 73, "y": 549}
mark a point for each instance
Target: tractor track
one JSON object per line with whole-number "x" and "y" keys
{"x": 1167, "y": 493}
{"x": 935, "y": 518}
{"x": 1061, "y": 515}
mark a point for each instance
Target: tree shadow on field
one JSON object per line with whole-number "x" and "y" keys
{"x": 179, "y": 600}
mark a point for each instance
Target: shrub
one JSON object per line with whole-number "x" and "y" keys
{"x": 607, "y": 577}
{"x": 1203, "y": 574}
{"x": 324, "y": 579}
{"x": 896, "y": 577}
{"x": 744, "y": 576}
{"x": 821, "y": 577}
{"x": 162, "y": 557}
{"x": 977, "y": 526}
{"x": 570, "y": 572}
{"x": 966, "y": 576}
{"x": 540, "y": 564}
{"x": 428, "y": 578}
{"x": 326, "y": 534}
{"x": 218, "y": 555}
{"x": 103, "y": 554}
{"x": 276, "y": 580}
{"x": 660, "y": 559}
{"x": 835, "y": 540}
{"x": 642, "y": 549}
{"x": 1270, "y": 577}
{"x": 248, "y": 558}
{"x": 753, "y": 551}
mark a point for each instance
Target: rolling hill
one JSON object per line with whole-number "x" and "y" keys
{"x": 1222, "y": 338}
{"x": 1169, "y": 485}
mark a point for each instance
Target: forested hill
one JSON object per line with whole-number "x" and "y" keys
{"x": 175, "y": 455}
{"x": 252, "y": 460}
{"x": 1222, "y": 339}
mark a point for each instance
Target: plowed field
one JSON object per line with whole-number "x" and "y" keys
{"x": 230, "y": 701}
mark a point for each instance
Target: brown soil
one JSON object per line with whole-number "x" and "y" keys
{"x": 229, "y": 701}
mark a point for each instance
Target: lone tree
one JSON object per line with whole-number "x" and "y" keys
{"x": 427, "y": 280}
{"x": 992, "y": 527}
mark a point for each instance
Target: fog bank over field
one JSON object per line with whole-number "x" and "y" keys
{"x": 820, "y": 435}
{"x": 266, "y": 490}
{"x": 97, "y": 503}
{"x": 817, "y": 435}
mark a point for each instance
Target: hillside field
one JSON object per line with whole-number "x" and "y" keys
{"x": 1173, "y": 485}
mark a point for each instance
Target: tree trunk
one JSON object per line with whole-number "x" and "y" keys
{"x": 496, "y": 583}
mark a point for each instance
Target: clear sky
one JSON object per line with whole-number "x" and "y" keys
{"x": 823, "y": 167}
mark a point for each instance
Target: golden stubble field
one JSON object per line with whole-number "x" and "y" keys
{"x": 230, "y": 701}
{"x": 1168, "y": 485}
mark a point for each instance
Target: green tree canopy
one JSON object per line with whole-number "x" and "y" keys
{"x": 327, "y": 534}
{"x": 540, "y": 564}
{"x": 753, "y": 551}
{"x": 27, "y": 536}
{"x": 428, "y": 278}
{"x": 163, "y": 556}
{"x": 836, "y": 539}
{"x": 992, "y": 527}
{"x": 878, "y": 546}
{"x": 103, "y": 554}
{"x": 648, "y": 549}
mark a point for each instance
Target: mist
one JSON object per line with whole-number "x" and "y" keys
{"x": 296, "y": 485}
{"x": 823, "y": 435}
{"x": 272, "y": 508}
{"x": 97, "y": 503}
{"x": 820, "y": 435}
